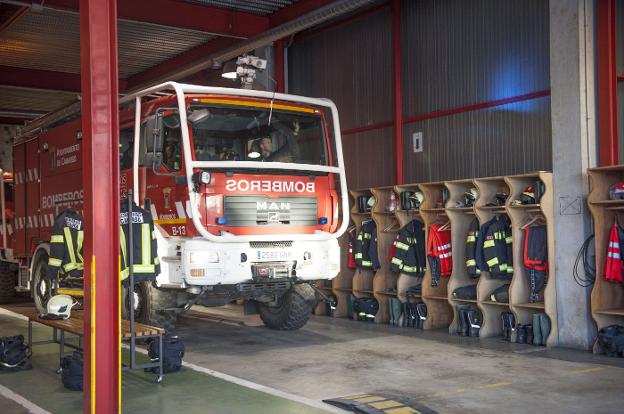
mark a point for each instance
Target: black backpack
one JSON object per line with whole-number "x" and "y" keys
{"x": 172, "y": 356}
{"x": 611, "y": 340}
{"x": 14, "y": 353}
{"x": 71, "y": 371}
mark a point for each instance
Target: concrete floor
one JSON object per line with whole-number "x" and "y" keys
{"x": 337, "y": 357}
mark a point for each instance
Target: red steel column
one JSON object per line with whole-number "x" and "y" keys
{"x": 398, "y": 97}
{"x": 100, "y": 128}
{"x": 607, "y": 83}
{"x": 279, "y": 66}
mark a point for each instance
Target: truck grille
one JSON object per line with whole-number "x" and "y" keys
{"x": 270, "y": 245}
{"x": 266, "y": 211}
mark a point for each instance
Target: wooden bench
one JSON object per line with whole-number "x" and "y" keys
{"x": 75, "y": 326}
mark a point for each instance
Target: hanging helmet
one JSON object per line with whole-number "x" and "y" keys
{"x": 60, "y": 306}
{"x": 528, "y": 195}
{"x": 416, "y": 199}
{"x": 501, "y": 198}
{"x": 470, "y": 197}
{"x": 616, "y": 191}
{"x": 371, "y": 201}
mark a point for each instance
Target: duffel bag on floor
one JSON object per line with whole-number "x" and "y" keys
{"x": 14, "y": 353}
{"x": 365, "y": 309}
{"x": 71, "y": 371}
{"x": 172, "y": 356}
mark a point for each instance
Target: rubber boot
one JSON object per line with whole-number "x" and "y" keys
{"x": 506, "y": 330}
{"x": 474, "y": 321}
{"x": 537, "y": 332}
{"x": 421, "y": 310}
{"x": 511, "y": 322}
{"x": 391, "y": 311}
{"x": 544, "y": 328}
{"x": 405, "y": 315}
{"x": 465, "y": 324}
{"x": 529, "y": 334}
{"x": 396, "y": 305}
{"x": 520, "y": 334}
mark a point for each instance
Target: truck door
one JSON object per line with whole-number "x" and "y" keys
{"x": 19, "y": 166}
{"x": 165, "y": 185}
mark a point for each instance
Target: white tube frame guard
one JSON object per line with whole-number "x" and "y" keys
{"x": 194, "y": 198}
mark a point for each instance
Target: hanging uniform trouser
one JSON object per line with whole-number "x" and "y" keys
{"x": 439, "y": 253}
{"x": 366, "y": 247}
{"x": 497, "y": 248}
{"x": 66, "y": 245}
{"x": 408, "y": 255}
{"x": 146, "y": 265}
{"x": 351, "y": 234}
{"x": 536, "y": 259}
{"x": 471, "y": 249}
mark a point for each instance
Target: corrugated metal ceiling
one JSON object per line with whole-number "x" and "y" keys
{"x": 26, "y": 99}
{"x": 50, "y": 40}
{"x": 261, "y": 7}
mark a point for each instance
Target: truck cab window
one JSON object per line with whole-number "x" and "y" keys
{"x": 172, "y": 138}
{"x": 126, "y": 148}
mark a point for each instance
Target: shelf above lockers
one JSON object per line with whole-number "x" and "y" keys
{"x": 607, "y": 298}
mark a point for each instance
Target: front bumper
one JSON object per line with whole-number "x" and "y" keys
{"x": 206, "y": 263}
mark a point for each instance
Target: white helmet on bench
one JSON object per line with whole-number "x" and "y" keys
{"x": 60, "y": 306}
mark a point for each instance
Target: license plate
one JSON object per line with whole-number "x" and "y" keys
{"x": 273, "y": 255}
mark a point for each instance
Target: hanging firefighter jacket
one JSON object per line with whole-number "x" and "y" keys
{"x": 536, "y": 259}
{"x": 613, "y": 265}
{"x": 439, "y": 253}
{"x": 471, "y": 249}
{"x": 366, "y": 246}
{"x": 496, "y": 248}
{"x": 409, "y": 250}
{"x": 66, "y": 245}
{"x": 146, "y": 265}
{"x": 351, "y": 234}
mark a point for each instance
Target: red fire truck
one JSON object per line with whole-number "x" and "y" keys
{"x": 247, "y": 190}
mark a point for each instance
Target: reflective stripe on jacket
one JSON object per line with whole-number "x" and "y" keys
{"x": 146, "y": 265}
{"x": 66, "y": 245}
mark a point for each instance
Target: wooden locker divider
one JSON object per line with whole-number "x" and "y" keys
{"x": 387, "y": 229}
{"x": 404, "y": 217}
{"x": 362, "y": 279}
{"x": 491, "y": 325}
{"x": 521, "y": 215}
{"x": 460, "y": 218}
{"x": 439, "y": 311}
{"x": 607, "y": 298}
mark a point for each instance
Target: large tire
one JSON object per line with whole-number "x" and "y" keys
{"x": 149, "y": 305}
{"x": 7, "y": 282}
{"x": 292, "y": 311}
{"x": 42, "y": 286}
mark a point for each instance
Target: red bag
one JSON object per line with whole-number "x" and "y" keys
{"x": 613, "y": 264}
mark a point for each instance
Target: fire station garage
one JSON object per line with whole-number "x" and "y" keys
{"x": 308, "y": 206}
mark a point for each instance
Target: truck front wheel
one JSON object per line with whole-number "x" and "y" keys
{"x": 7, "y": 282}
{"x": 150, "y": 305}
{"x": 42, "y": 286}
{"x": 292, "y": 310}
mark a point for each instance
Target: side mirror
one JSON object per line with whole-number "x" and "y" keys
{"x": 154, "y": 135}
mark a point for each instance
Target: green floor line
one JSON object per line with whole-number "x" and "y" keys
{"x": 187, "y": 391}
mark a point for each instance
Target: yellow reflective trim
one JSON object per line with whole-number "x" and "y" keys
{"x": 471, "y": 262}
{"x": 396, "y": 261}
{"x": 492, "y": 262}
{"x": 358, "y": 255}
{"x": 367, "y": 263}
{"x": 503, "y": 266}
{"x": 471, "y": 239}
{"x": 54, "y": 262}
{"x": 79, "y": 241}
{"x": 153, "y": 235}
{"x": 510, "y": 269}
{"x": 70, "y": 266}
{"x": 171, "y": 221}
{"x": 143, "y": 268}
{"x": 386, "y": 404}
{"x": 489, "y": 243}
{"x": 122, "y": 242}
{"x": 508, "y": 240}
{"x": 256, "y": 104}
{"x": 156, "y": 261}
{"x": 56, "y": 239}
{"x": 402, "y": 246}
{"x": 410, "y": 268}
{"x": 71, "y": 292}
{"x": 146, "y": 245}
{"x": 70, "y": 245}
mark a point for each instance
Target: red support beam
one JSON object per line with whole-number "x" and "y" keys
{"x": 100, "y": 128}
{"x": 398, "y": 96}
{"x": 40, "y": 79}
{"x": 607, "y": 83}
{"x": 295, "y": 10}
{"x": 280, "y": 78}
{"x": 183, "y": 14}
{"x": 185, "y": 58}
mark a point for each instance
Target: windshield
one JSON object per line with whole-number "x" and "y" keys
{"x": 258, "y": 134}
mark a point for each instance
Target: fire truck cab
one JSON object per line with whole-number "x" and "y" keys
{"x": 247, "y": 190}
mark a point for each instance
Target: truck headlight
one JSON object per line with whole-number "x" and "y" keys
{"x": 204, "y": 257}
